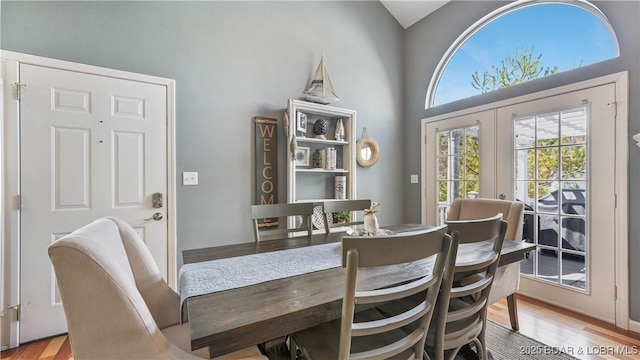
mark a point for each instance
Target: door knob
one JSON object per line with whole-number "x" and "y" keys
{"x": 157, "y": 217}
{"x": 502, "y": 197}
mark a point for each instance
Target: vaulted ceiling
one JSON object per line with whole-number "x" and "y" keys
{"x": 409, "y": 12}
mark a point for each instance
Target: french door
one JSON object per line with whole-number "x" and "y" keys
{"x": 557, "y": 155}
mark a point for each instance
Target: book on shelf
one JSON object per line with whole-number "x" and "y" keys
{"x": 330, "y": 158}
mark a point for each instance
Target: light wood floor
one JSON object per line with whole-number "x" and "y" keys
{"x": 578, "y": 335}
{"x": 585, "y": 337}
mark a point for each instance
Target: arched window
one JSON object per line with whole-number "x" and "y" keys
{"x": 520, "y": 42}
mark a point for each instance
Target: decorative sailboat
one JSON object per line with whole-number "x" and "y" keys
{"x": 321, "y": 90}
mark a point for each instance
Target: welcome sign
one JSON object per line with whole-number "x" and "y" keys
{"x": 266, "y": 137}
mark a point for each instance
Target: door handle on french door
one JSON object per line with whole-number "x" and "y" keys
{"x": 157, "y": 217}
{"x": 502, "y": 197}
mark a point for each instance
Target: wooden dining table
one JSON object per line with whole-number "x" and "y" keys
{"x": 233, "y": 319}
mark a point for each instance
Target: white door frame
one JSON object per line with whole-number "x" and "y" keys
{"x": 10, "y": 176}
{"x": 621, "y": 81}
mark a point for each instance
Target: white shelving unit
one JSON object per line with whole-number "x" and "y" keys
{"x": 309, "y": 184}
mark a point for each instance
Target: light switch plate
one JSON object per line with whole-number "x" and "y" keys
{"x": 189, "y": 178}
{"x": 414, "y": 179}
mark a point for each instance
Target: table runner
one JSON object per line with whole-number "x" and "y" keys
{"x": 223, "y": 274}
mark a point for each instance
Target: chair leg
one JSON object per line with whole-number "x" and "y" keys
{"x": 293, "y": 349}
{"x": 513, "y": 312}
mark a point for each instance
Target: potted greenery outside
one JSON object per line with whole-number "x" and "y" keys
{"x": 341, "y": 216}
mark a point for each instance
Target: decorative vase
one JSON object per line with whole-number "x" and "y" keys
{"x": 320, "y": 128}
{"x": 371, "y": 226}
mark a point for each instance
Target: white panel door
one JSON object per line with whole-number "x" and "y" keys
{"x": 91, "y": 146}
{"x": 557, "y": 155}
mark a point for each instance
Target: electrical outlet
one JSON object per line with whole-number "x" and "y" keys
{"x": 189, "y": 178}
{"x": 414, "y": 179}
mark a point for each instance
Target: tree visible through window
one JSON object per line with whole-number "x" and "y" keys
{"x": 514, "y": 69}
{"x": 518, "y": 43}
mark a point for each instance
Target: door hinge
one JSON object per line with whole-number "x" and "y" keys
{"x": 17, "y": 309}
{"x": 18, "y": 202}
{"x": 18, "y": 92}
{"x": 615, "y": 201}
{"x": 615, "y": 292}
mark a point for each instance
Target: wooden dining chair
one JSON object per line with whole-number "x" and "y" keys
{"x": 258, "y": 212}
{"x": 369, "y": 333}
{"x": 507, "y": 278}
{"x": 334, "y": 206}
{"x": 460, "y": 315}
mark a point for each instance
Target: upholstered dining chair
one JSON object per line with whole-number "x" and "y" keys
{"x": 116, "y": 303}
{"x": 369, "y": 334}
{"x": 281, "y": 211}
{"x": 461, "y": 312}
{"x": 507, "y": 278}
{"x": 333, "y": 206}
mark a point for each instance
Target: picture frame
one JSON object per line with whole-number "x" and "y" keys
{"x": 302, "y": 156}
{"x": 301, "y": 123}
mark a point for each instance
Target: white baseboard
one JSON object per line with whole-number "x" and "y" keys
{"x": 4, "y": 347}
{"x": 634, "y": 326}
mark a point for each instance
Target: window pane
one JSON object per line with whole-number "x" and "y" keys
{"x": 573, "y": 126}
{"x": 473, "y": 140}
{"x": 524, "y": 130}
{"x": 443, "y": 169}
{"x": 574, "y": 162}
{"x": 547, "y": 196}
{"x": 525, "y": 164}
{"x": 573, "y": 271}
{"x": 573, "y": 234}
{"x": 526, "y": 192}
{"x": 457, "y": 171}
{"x": 443, "y": 211}
{"x": 443, "y": 191}
{"x": 473, "y": 167}
{"x": 457, "y": 141}
{"x": 473, "y": 188}
{"x": 548, "y": 163}
{"x": 548, "y": 230}
{"x": 526, "y": 265}
{"x": 443, "y": 143}
{"x": 548, "y": 265}
{"x": 574, "y": 198}
{"x": 547, "y": 129}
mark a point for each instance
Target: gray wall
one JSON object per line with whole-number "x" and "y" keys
{"x": 427, "y": 41}
{"x": 233, "y": 61}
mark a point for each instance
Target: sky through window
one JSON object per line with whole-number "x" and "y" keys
{"x": 565, "y": 36}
